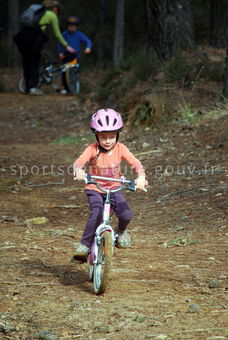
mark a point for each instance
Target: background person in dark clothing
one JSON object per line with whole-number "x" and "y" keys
{"x": 74, "y": 38}
{"x": 32, "y": 46}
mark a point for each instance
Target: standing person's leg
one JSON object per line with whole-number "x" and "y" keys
{"x": 34, "y": 69}
{"x": 31, "y": 65}
{"x": 64, "y": 84}
{"x": 34, "y": 74}
{"x": 68, "y": 57}
{"x": 26, "y": 64}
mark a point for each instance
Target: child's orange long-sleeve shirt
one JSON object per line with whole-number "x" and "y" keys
{"x": 108, "y": 164}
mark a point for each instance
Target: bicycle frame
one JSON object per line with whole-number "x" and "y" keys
{"x": 107, "y": 204}
{"x": 104, "y": 226}
{"x": 51, "y": 71}
{"x": 97, "y": 258}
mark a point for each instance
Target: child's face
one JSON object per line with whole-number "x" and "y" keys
{"x": 72, "y": 28}
{"x": 107, "y": 140}
{"x": 56, "y": 10}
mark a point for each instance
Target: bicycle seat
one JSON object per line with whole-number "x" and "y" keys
{"x": 52, "y": 62}
{"x": 72, "y": 62}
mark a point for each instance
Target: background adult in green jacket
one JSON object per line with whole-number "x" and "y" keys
{"x": 31, "y": 51}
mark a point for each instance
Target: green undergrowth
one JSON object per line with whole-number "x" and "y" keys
{"x": 69, "y": 140}
{"x": 116, "y": 82}
{"x": 188, "y": 115}
{"x": 11, "y": 183}
{"x": 150, "y": 93}
{"x": 187, "y": 71}
{"x": 180, "y": 241}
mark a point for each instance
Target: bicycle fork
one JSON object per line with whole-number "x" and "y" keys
{"x": 106, "y": 216}
{"x": 104, "y": 226}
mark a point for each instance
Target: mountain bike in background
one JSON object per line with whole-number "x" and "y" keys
{"x": 54, "y": 69}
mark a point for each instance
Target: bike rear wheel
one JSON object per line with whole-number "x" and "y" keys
{"x": 103, "y": 266}
{"x": 72, "y": 80}
{"x": 21, "y": 84}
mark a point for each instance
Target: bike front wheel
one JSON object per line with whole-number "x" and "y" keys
{"x": 91, "y": 273}
{"x": 102, "y": 267}
{"x": 72, "y": 80}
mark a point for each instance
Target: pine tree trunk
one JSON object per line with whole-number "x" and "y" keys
{"x": 169, "y": 26}
{"x": 101, "y": 45}
{"x": 225, "y": 89}
{"x": 218, "y": 23}
{"x": 118, "y": 50}
{"x": 13, "y": 27}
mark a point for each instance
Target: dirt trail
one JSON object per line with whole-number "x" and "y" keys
{"x": 172, "y": 283}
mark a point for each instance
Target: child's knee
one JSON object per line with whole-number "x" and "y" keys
{"x": 126, "y": 216}
{"x": 130, "y": 215}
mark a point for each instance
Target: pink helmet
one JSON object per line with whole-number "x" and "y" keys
{"x": 106, "y": 120}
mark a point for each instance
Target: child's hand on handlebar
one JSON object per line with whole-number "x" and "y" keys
{"x": 141, "y": 183}
{"x": 70, "y": 49}
{"x": 87, "y": 51}
{"x": 79, "y": 173}
{"x": 62, "y": 56}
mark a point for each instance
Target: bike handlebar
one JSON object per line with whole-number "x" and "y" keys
{"x": 90, "y": 179}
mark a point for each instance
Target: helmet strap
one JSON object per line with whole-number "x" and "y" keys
{"x": 99, "y": 150}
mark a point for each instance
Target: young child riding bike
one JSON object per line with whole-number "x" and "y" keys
{"x": 74, "y": 38}
{"x": 104, "y": 159}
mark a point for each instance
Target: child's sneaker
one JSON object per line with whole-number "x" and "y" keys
{"x": 64, "y": 91}
{"x": 81, "y": 253}
{"x": 123, "y": 239}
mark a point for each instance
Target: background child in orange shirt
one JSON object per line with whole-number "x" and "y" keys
{"x": 104, "y": 159}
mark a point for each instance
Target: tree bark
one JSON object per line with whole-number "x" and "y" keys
{"x": 101, "y": 46}
{"x": 218, "y": 23}
{"x": 169, "y": 26}
{"x": 13, "y": 27}
{"x": 118, "y": 50}
{"x": 225, "y": 88}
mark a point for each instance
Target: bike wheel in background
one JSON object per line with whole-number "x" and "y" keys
{"x": 21, "y": 84}
{"x": 103, "y": 266}
{"x": 72, "y": 80}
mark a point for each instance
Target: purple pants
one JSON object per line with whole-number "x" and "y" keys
{"x": 96, "y": 203}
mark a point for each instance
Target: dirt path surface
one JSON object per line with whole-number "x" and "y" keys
{"x": 172, "y": 282}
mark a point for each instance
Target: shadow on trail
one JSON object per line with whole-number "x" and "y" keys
{"x": 75, "y": 275}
